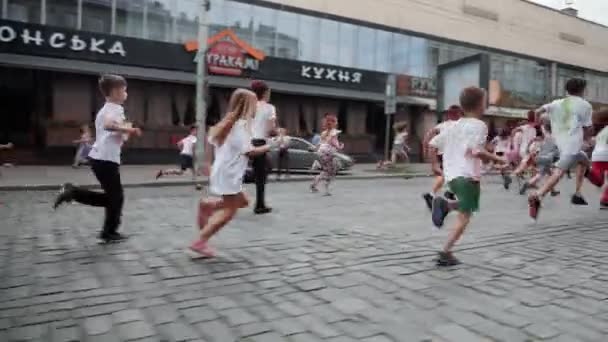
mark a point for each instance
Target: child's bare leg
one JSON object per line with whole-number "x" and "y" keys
{"x": 581, "y": 168}
{"x": 459, "y": 226}
{"x": 438, "y": 184}
{"x": 206, "y": 208}
{"x": 221, "y": 217}
{"x": 550, "y": 184}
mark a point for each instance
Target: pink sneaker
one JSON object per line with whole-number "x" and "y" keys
{"x": 202, "y": 248}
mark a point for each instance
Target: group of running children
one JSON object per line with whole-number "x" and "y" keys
{"x": 554, "y": 141}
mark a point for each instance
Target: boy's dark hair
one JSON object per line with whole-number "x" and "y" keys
{"x": 109, "y": 82}
{"x": 193, "y": 127}
{"x": 471, "y": 97}
{"x": 259, "y": 88}
{"x": 576, "y": 86}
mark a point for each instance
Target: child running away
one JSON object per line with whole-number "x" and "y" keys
{"x": 111, "y": 131}
{"x": 570, "y": 125}
{"x": 231, "y": 139}
{"x": 186, "y": 159}
{"x": 463, "y": 146}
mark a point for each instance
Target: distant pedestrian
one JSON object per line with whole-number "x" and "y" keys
{"x": 316, "y": 139}
{"x": 111, "y": 131}
{"x": 328, "y": 147}
{"x": 282, "y": 143}
{"x": 84, "y": 144}
{"x": 231, "y": 139}
{"x": 264, "y": 123}
{"x": 545, "y": 157}
{"x": 186, "y": 156}
{"x": 400, "y": 150}
{"x": 463, "y": 147}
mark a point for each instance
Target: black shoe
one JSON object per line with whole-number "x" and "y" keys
{"x": 428, "y": 200}
{"x": 603, "y": 205}
{"x": 439, "y": 211}
{"x": 524, "y": 187}
{"x": 66, "y": 194}
{"x": 555, "y": 193}
{"x": 578, "y": 200}
{"x": 263, "y": 210}
{"x": 446, "y": 259}
{"x": 449, "y": 195}
{"x": 112, "y": 237}
{"x": 506, "y": 181}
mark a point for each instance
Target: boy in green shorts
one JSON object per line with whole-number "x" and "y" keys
{"x": 463, "y": 147}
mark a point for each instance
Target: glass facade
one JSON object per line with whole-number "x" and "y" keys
{"x": 296, "y": 36}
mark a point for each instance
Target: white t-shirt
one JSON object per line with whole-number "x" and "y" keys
{"x": 600, "y": 152}
{"x": 442, "y": 126}
{"x": 230, "y": 160}
{"x": 282, "y": 141}
{"x": 188, "y": 145}
{"x": 458, "y": 142}
{"x": 501, "y": 144}
{"x": 108, "y": 144}
{"x": 528, "y": 133}
{"x": 400, "y": 138}
{"x": 568, "y": 118}
{"x": 265, "y": 112}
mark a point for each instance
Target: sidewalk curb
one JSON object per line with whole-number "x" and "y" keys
{"x": 161, "y": 184}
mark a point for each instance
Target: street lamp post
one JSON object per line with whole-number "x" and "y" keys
{"x": 201, "y": 89}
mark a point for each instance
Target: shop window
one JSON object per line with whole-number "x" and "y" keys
{"x": 190, "y": 113}
{"x": 187, "y": 20}
{"x": 159, "y": 21}
{"x": 24, "y": 10}
{"x": 309, "y": 38}
{"x": 97, "y": 15}
{"x": 329, "y": 42}
{"x": 175, "y": 119}
{"x": 343, "y": 116}
{"x": 62, "y": 13}
{"x": 130, "y": 18}
{"x": 287, "y": 39}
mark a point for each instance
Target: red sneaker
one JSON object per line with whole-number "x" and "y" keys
{"x": 202, "y": 248}
{"x": 534, "y": 206}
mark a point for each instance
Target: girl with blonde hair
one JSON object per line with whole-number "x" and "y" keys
{"x": 231, "y": 140}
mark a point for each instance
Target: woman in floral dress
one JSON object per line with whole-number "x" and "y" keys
{"x": 327, "y": 162}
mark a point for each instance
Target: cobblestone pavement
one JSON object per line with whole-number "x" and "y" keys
{"x": 353, "y": 267}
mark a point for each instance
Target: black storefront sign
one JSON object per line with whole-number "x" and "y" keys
{"x": 39, "y": 40}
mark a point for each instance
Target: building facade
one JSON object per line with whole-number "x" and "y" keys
{"x": 318, "y": 55}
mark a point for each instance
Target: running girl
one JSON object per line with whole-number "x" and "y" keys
{"x": 231, "y": 139}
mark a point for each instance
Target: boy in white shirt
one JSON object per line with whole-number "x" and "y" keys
{"x": 463, "y": 146}
{"x": 111, "y": 131}
{"x": 186, "y": 154}
{"x": 571, "y": 125}
{"x": 599, "y": 158}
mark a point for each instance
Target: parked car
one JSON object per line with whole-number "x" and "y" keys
{"x": 302, "y": 154}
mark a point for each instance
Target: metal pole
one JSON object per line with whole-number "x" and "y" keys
{"x": 390, "y": 107}
{"x": 201, "y": 107}
{"x": 387, "y": 136}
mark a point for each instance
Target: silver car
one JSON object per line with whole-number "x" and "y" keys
{"x": 302, "y": 154}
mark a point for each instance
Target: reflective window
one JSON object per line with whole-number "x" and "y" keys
{"x": 264, "y": 29}
{"x": 130, "y": 18}
{"x": 399, "y": 52}
{"x": 239, "y": 17}
{"x": 288, "y": 32}
{"x": 186, "y": 20}
{"x": 329, "y": 42}
{"x": 309, "y": 35}
{"x": 563, "y": 75}
{"x": 24, "y": 10}
{"x": 62, "y": 13}
{"x": 216, "y": 17}
{"x": 383, "y": 51}
{"x": 366, "y": 48}
{"x": 523, "y": 83}
{"x": 348, "y": 45}
{"x": 158, "y": 19}
{"x": 418, "y": 57}
{"x": 597, "y": 88}
{"x": 97, "y": 15}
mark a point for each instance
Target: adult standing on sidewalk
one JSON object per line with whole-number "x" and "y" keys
{"x": 111, "y": 131}
{"x": 263, "y": 124}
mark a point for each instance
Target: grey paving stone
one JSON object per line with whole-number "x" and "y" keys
{"x": 252, "y": 329}
{"x": 378, "y": 338}
{"x": 177, "y": 332}
{"x": 126, "y": 316}
{"x": 238, "y": 316}
{"x": 98, "y": 325}
{"x": 310, "y": 285}
{"x": 358, "y": 329}
{"x": 266, "y": 337}
{"x": 500, "y": 332}
{"x": 455, "y": 332}
{"x": 135, "y": 330}
{"x": 107, "y": 337}
{"x": 291, "y": 308}
{"x": 318, "y": 327}
{"x": 221, "y": 303}
{"x": 216, "y": 331}
{"x": 350, "y": 305}
{"x": 199, "y": 314}
{"x": 542, "y": 331}
{"x": 304, "y": 337}
{"x": 165, "y": 314}
{"x": 70, "y": 334}
{"x": 99, "y": 310}
{"x": 288, "y": 326}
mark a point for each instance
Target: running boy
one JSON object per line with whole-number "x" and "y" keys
{"x": 544, "y": 159}
{"x": 571, "y": 125}
{"x": 599, "y": 158}
{"x": 185, "y": 156}
{"x": 231, "y": 139}
{"x": 453, "y": 114}
{"x": 111, "y": 131}
{"x": 463, "y": 147}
